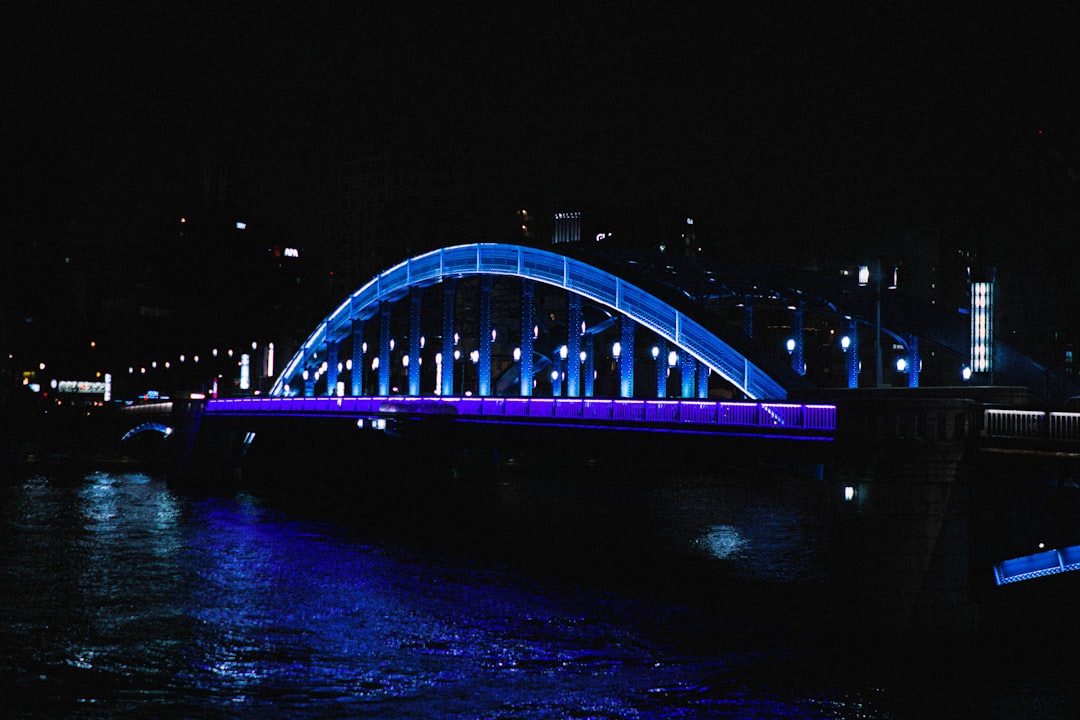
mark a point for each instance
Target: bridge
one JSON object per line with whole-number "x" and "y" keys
{"x": 530, "y": 344}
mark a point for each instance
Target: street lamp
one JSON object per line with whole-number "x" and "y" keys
{"x": 872, "y": 273}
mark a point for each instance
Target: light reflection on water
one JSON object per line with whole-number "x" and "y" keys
{"x": 121, "y": 598}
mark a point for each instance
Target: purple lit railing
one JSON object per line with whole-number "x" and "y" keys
{"x": 699, "y": 414}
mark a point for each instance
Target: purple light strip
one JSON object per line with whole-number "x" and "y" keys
{"x": 694, "y": 415}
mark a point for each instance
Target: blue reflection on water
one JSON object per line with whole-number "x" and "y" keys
{"x": 288, "y": 612}
{"x": 121, "y": 599}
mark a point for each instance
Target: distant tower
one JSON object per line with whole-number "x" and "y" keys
{"x": 567, "y": 228}
{"x": 982, "y": 321}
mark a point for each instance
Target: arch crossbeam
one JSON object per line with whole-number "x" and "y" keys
{"x": 552, "y": 269}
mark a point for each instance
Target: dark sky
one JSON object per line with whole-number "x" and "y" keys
{"x": 778, "y": 121}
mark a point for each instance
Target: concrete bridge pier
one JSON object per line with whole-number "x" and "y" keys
{"x": 902, "y": 548}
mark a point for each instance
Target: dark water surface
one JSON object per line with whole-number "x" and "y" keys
{"x": 536, "y": 598}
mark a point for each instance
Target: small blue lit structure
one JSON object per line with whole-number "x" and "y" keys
{"x": 530, "y": 264}
{"x": 1040, "y": 564}
{"x": 163, "y": 430}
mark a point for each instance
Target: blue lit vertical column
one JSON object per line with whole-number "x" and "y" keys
{"x": 525, "y": 367}
{"x": 626, "y": 357}
{"x": 702, "y": 380}
{"x": 416, "y": 297}
{"x": 914, "y": 361}
{"x": 660, "y": 355}
{"x": 357, "y": 372}
{"x": 331, "y": 367}
{"x": 852, "y": 350}
{"x": 558, "y": 372}
{"x": 687, "y": 363}
{"x": 309, "y": 383}
{"x": 590, "y": 365}
{"x": 798, "y": 352}
{"x": 748, "y": 320}
{"x": 449, "y": 303}
{"x": 384, "y": 347}
{"x": 484, "y": 361}
{"x": 573, "y": 346}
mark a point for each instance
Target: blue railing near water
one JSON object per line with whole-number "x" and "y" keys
{"x": 1041, "y": 564}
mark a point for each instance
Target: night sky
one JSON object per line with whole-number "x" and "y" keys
{"x": 784, "y": 125}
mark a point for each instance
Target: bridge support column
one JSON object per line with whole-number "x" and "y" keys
{"x": 525, "y": 366}
{"x": 483, "y": 368}
{"x": 798, "y": 352}
{"x": 416, "y": 298}
{"x": 626, "y": 357}
{"x": 703, "y": 372}
{"x": 573, "y": 346}
{"x": 357, "y": 372}
{"x": 384, "y": 347}
{"x": 903, "y": 496}
{"x": 331, "y": 367}
{"x": 309, "y": 383}
{"x": 449, "y": 304}
{"x": 590, "y": 365}
{"x": 914, "y": 361}
{"x": 687, "y": 363}
{"x": 660, "y": 354}
{"x": 853, "y": 354}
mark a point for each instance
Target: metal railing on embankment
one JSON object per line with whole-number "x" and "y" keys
{"x": 1031, "y": 425}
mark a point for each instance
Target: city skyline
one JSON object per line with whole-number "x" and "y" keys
{"x": 790, "y": 130}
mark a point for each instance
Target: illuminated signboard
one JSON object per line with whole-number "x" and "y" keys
{"x": 82, "y": 387}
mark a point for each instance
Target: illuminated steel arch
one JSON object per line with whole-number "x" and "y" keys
{"x": 549, "y": 268}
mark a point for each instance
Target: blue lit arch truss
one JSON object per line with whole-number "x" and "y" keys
{"x": 552, "y": 269}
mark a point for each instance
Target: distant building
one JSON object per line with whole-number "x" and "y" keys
{"x": 391, "y": 206}
{"x": 636, "y": 229}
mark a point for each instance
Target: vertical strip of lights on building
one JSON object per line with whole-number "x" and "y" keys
{"x": 982, "y": 326}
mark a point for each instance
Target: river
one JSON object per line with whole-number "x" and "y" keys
{"x": 539, "y": 597}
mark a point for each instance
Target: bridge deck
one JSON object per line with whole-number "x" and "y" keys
{"x": 794, "y": 421}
